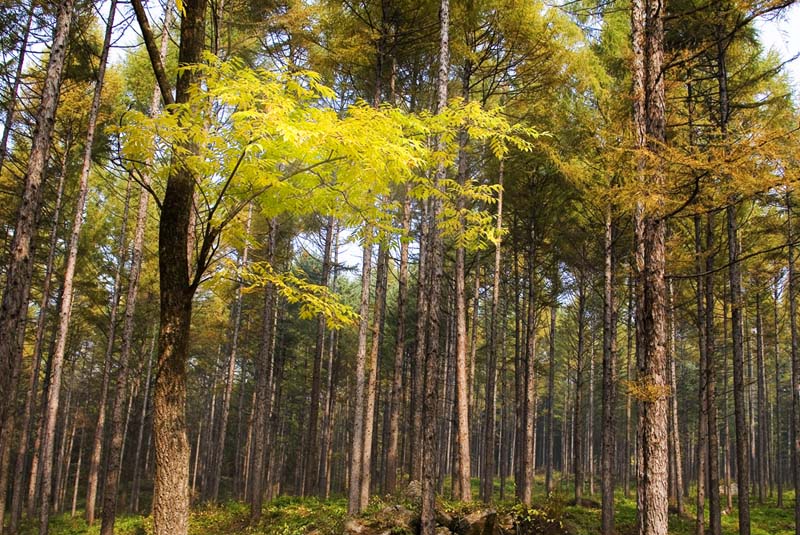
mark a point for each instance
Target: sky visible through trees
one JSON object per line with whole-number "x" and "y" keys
{"x": 445, "y": 267}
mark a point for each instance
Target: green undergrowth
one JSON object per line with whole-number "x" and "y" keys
{"x": 550, "y": 514}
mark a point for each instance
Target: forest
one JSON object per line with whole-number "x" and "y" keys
{"x": 398, "y": 267}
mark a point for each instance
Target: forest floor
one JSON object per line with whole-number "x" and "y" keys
{"x": 313, "y": 516}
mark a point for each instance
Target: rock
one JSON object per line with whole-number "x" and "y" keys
{"x": 505, "y": 522}
{"x": 355, "y": 526}
{"x": 483, "y": 522}
{"x": 413, "y": 491}
{"x": 397, "y": 516}
{"x": 444, "y": 519}
{"x": 441, "y": 530}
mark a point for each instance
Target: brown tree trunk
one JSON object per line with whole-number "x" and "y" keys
{"x": 675, "y": 427}
{"x": 702, "y": 420}
{"x": 609, "y": 379}
{"x": 329, "y": 414}
{"x": 137, "y": 475}
{"x": 28, "y": 418}
{"x": 578, "y": 415}
{"x": 396, "y": 401}
{"x": 311, "y": 459}
{"x": 372, "y": 374}
{"x": 434, "y": 281}
{"x": 264, "y": 373}
{"x": 650, "y": 230}
{"x": 795, "y": 427}
{"x": 11, "y": 105}
{"x": 529, "y": 413}
{"x": 487, "y": 482}
{"x": 626, "y": 485}
{"x": 359, "y": 414}
{"x": 20, "y": 267}
{"x": 714, "y": 507}
{"x": 761, "y": 434}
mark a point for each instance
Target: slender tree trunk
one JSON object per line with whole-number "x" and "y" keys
{"x": 779, "y": 463}
{"x": 609, "y": 379}
{"x": 135, "y": 486}
{"x": 20, "y": 266}
{"x": 675, "y": 427}
{"x": 13, "y": 94}
{"x": 264, "y": 373}
{"x": 529, "y": 413}
{"x": 77, "y": 476}
{"x": 702, "y": 420}
{"x": 761, "y": 436}
{"x": 328, "y": 418}
{"x": 742, "y": 445}
{"x": 494, "y": 347}
{"x": 795, "y": 453}
{"x": 28, "y": 418}
{"x": 396, "y": 402}
{"x": 357, "y": 447}
{"x": 68, "y": 292}
{"x": 372, "y": 374}
{"x": 626, "y": 486}
{"x": 578, "y": 416}
{"x": 714, "y": 507}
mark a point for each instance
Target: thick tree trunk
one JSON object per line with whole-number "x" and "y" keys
{"x": 434, "y": 281}
{"x": 20, "y": 267}
{"x": 650, "y": 230}
{"x": 609, "y": 379}
{"x": 357, "y": 448}
{"x": 714, "y": 507}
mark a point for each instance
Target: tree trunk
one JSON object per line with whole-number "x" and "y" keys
{"x": 795, "y": 427}
{"x": 264, "y": 373}
{"x": 357, "y": 448}
{"x": 779, "y": 462}
{"x": 714, "y": 507}
{"x": 578, "y": 415}
{"x": 28, "y": 418}
{"x": 609, "y": 379}
{"x": 372, "y": 374}
{"x": 434, "y": 282}
{"x": 487, "y": 481}
{"x": 761, "y": 435}
{"x": 676, "y": 441}
{"x": 20, "y": 266}
{"x": 11, "y": 105}
{"x": 650, "y": 230}
{"x": 396, "y": 401}
{"x": 702, "y": 420}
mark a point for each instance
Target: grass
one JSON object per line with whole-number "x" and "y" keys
{"x": 300, "y": 516}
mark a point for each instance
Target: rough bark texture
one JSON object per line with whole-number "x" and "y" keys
{"x": 609, "y": 380}
{"x": 357, "y": 448}
{"x": 20, "y": 266}
{"x": 795, "y": 452}
{"x": 649, "y": 122}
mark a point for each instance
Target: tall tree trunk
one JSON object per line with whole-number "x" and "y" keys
{"x": 742, "y": 445}
{"x": 795, "y": 427}
{"x": 372, "y": 374}
{"x": 359, "y": 414}
{"x": 675, "y": 427}
{"x": 487, "y": 481}
{"x": 578, "y": 415}
{"x": 650, "y": 230}
{"x": 329, "y": 415}
{"x": 435, "y": 252}
{"x": 396, "y": 401}
{"x": 264, "y": 373}
{"x": 779, "y": 463}
{"x": 312, "y": 447}
{"x": 171, "y": 489}
{"x": 609, "y": 379}
{"x": 28, "y": 418}
{"x": 20, "y": 267}
{"x": 714, "y": 507}
{"x": 626, "y": 486}
{"x": 69, "y": 274}
{"x": 137, "y": 475}
{"x": 761, "y": 436}
{"x": 529, "y": 425}
{"x": 219, "y": 448}
{"x": 702, "y": 346}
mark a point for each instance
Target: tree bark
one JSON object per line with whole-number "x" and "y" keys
{"x": 609, "y": 378}
{"x": 11, "y": 105}
{"x": 795, "y": 427}
{"x": 578, "y": 416}
{"x": 357, "y": 447}
{"x": 20, "y": 267}
{"x": 714, "y": 507}
{"x": 650, "y": 230}
{"x": 702, "y": 420}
